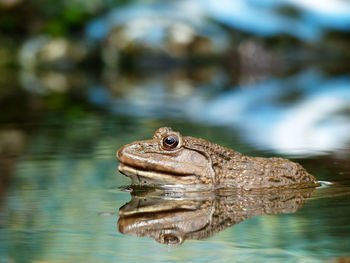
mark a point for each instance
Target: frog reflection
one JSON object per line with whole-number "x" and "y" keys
{"x": 171, "y": 218}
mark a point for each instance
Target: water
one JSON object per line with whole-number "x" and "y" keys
{"x": 78, "y": 81}
{"x": 61, "y": 195}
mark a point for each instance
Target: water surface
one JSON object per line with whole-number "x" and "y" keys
{"x": 62, "y": 194}
{"x": 79, "y": 80}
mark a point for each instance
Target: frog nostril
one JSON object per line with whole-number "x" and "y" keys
{"x": 127, "y": 153}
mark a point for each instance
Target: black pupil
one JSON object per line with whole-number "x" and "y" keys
{"x": 170, "y": 141}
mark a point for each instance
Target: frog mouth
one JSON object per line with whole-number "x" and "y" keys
{"x": 142, "y": 176}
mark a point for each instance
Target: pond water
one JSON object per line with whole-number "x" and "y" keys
{"x": 61, "y": 193}
{"x": 80, "y": 80}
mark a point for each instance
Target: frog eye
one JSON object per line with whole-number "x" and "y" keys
{"x": 171, "y": 240}
{"x": 170, "y": 142}
{"x": 170, "y": 237}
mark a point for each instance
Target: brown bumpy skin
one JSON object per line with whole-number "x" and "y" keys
{"x": 173, "y": 220}
{"x": 198, "y": 163}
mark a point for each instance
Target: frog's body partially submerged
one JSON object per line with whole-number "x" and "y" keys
{"x": 172, "y": 159}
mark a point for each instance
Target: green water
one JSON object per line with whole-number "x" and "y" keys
{"x": 62, "y": 191}
{"x": 79, "y": 79}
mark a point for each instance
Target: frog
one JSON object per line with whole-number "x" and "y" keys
{"x": 173, "y": 219}
{"x": 170, "y": 159}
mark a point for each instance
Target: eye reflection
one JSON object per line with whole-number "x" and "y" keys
{"x": 170, "y": 240}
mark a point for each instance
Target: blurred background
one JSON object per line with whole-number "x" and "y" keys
{"x": 78, "y": 79}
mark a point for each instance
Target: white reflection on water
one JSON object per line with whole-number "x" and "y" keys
{"x": 312, "y": 124}
{"x": 148, "y": 22}
{"x": 151, "y": 24}
{"x": 311, "y": 21}
{"x": 305, "y": 114}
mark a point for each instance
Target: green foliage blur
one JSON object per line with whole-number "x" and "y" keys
{"x": 20, "y": 19}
